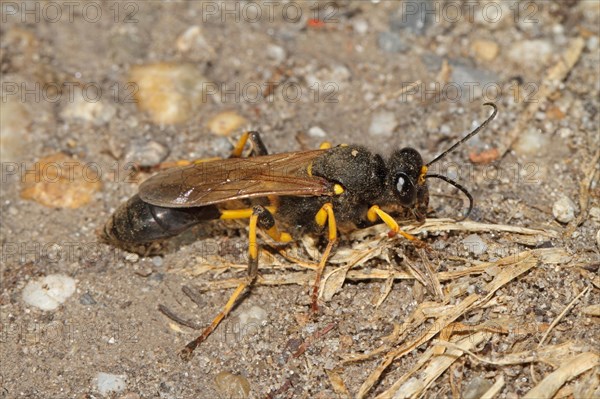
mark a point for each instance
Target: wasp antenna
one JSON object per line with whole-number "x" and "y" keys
{"x": 468, "y": 136}
{"x": 461, "y": 188}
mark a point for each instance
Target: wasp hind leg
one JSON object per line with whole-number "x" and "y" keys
{"x": 261, "y": 217}
{"x": 323, "y": 216}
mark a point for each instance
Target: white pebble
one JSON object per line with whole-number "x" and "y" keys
{"x": 564, "y": 209}
{"x": 254, "y": 315}
{"x": 157, "y": 261}
{"x": 531, "y": 142}
{"x": 383, "y": 124}
{"x": 88, "y": 107}
{"x": 110, "y": 383}
{"x": 132, "y": 258}
{"x": 360, "y": 26}
{"x": 316, "y": 131}
{"x": 49, "y": 292}
{"x": 276, "y": 53}
{"x": 474, "y": 244}
{"x": 598, "y": 239}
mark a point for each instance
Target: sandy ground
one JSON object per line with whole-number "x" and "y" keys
{"x": 339, "y": 70}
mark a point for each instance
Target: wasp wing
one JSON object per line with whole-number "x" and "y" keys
{"x": 218, "y": 181}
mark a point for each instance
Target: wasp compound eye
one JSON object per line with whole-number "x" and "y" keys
{"x": 406, "y": 189}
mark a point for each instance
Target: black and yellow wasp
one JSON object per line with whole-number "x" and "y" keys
{"x": 308, "y": 191}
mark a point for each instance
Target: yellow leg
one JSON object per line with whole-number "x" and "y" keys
{"x": 253, "y": 214}
{"x": 375, "y": 213}
{"x": 241, "y": 213}
{"x": 325, "y": 145}
{"x": 239, "y": 147}
{"x": 325, "y": 215}
{"x": 187, "y": 352}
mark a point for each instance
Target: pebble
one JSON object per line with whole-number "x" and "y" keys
{"x": 464, "y": 76}
{"x": 534, "y": 53}
{"x": 110, "y": 383}
{"x": 86, "y": 107}
{"x": 417, "y": 20}
{"x": 531, "y": 142}
{"x": 232, "y": 386}
{"x": 15, "y": 127}
{"x": 391, "y": 42}
{"x": 276, "y": 53}
{"x": 592, "y": 44}
{"x": 255, "y": 315}
{"x": 60, "y": 181}
{"x": 193, "y": 41}
{"x": 475, "y": 244}
{"x": 329, "y": 78}
{"x": 317, "y": 132}
{"x": 595, "y": 213}
{"x": 564, "y": 209}
{"x": 598, "y": 239}
{"x": 360, "y": 26}
{"x": 87, "y": 299}
{"x": 132, "y": 258}
{"x": 485, "y": 50}
{"x": 146, "y": 153}
{"x": 476, "y": 387}
{"x": 157, "y": 261}
{"x": 383, "y": 123}
{"x": 49, "y": 292}
{"x": 224, "y": 123}
{"x": 170, "y": 92}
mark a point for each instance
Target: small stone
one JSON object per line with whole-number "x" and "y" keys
{"x": 15, "y": 122}
{"x": 232, "y": 386}
{"x": 276, "y": 53}
{"x": 255, "y": 315}
{"x": 329, "y": 79}
{"x": 468, "y": 78}
{"x": 224, "y": 123}
{"x": 484, "y": 157}
{"x": 594, "y": 213}
{"x": 110, "y": 383}
{"x": 475, "y": 244}
{"x": 49, "y": 292}
{"x": 531, "y": 52}
{"x": 383, "y": 124}
{"x": 60, "y": 181}
{"x": 391, "y": 42}
{"x": 85, "y": 106}
{"x": 360, "y": 26}
{"x": 192, "y": 41}
{"x": 87, "y": 299}
{"x": 157, "y": 261}
{"x": 485, "y": 50}
{"x": 146, "y": 153}
{"x": 598, "y": 239}
{"x": 317, "y": 132}
{"x": 477, "y": 387}
{"x": 564, "y": 209}
{"x": 531, "y": 142}
{"x": 132, "y": 258}
{"x": 169, "y": 92}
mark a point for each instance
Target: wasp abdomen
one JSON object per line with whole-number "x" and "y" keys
{"x": 137, "y": 221}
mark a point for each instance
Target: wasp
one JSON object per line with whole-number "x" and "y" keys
{"x": 309, "y": 192}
